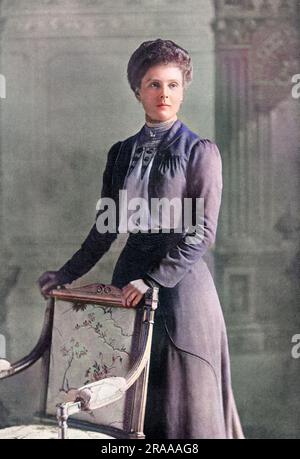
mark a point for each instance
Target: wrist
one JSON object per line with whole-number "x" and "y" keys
{"x": 150, "y": 282}
{"x": 63, "y": 277}
{"x": 140, "y": 285}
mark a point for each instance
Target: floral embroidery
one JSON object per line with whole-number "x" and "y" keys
{"x": 101, "y": 370}
{"x": 76, "y": 350}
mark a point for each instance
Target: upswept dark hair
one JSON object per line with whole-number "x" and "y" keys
{"x": 155, "y": 52}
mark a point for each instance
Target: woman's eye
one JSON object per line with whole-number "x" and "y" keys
{"x": 157, "y": 85}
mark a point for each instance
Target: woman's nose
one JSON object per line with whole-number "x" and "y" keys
{"x": 164, "y": 93}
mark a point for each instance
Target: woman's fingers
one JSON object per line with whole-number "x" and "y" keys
{"x": 137, "y": 299}
{"x": 46, "y": 282}
{"x": 130, "y": 296}
{"x": 43, "y": 278}
{"x": 133, "y": 299}
{"x": 130, "y": 299}
{"x": 47, "y": 287}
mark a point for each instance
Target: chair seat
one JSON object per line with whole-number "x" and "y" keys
{"x": 42, "y": 431}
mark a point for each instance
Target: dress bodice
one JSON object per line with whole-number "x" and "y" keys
{"x": 137, "y": 180}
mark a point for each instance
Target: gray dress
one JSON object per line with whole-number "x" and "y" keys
{"x": 190, "y": 394}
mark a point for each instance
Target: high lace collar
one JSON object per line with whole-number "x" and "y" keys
{"x": 156, "y": 131}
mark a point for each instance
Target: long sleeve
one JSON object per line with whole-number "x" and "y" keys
{"x": 204, "y": 180}
{"x": 96, "y": 244}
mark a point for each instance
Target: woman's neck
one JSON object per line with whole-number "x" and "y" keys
{"x": 153, "y": 123}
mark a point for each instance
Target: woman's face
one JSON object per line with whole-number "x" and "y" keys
{"x": 161, "y": 92}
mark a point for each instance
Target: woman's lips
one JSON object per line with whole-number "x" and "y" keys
{"x": 164, "y": 106}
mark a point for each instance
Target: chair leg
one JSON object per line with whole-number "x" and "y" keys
{"x": 62, "y": 417}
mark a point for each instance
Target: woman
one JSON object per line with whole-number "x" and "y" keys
{"x": 190, "y": 392}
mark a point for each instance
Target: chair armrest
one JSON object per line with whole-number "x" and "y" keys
{"x": 7, "y": 369}
{"x": 108, "y": 390}
{"x": 101, "y": 393}
{"x": 90, "y": 397}
{"x": 5, "y": 366}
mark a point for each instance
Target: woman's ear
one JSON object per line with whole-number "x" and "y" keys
{"x": 137, "y": 95}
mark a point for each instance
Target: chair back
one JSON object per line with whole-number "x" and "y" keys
{"x": 93, "y": 338}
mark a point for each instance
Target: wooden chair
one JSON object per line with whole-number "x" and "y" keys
{"x": 93, "y": 356}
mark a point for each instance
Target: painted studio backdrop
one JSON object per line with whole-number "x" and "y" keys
{"x": 65, "y": 100}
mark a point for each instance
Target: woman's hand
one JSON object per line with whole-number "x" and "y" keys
{"x": 47, "y": 281}
{"x": 133, "y": 292}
